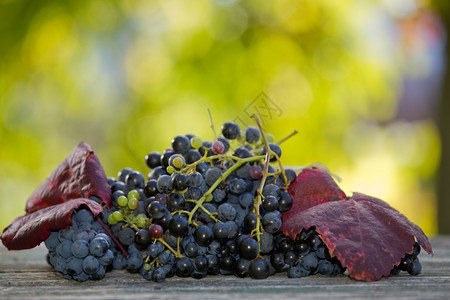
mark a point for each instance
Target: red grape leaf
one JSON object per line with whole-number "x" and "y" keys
{"x": 30, "y": 230}
{"x": 80, "y": 175}
{"x": 311, "y": 187}
{"x": 367, "y": 235}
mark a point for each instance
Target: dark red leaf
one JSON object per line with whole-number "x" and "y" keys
{"x": 367, "y": 235}
{"x": 30, "y": 230}
{"x": 311, "y": 187}
{"x": 80, "y": 175}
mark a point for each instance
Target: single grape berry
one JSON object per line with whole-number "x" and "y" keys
{"x": 259, "y": 269}
{"x": 212, "y": 175}
{"x": 201, "y": 264}
{"x": 309, "y": 261}
{"x": 302, "y": 248}
{"x": 270, "y": 203}
{"x": 164, "y": 184}
{"x": 270, "y": 138}
{"x": 231, "y": 130}
{"x": 153, "y": 159}
{"x": 156, "y": 210}
{"x": 133, "y": 194}
{"x": 416, "y": 267}
{"x": 242, "y": 153}
{"x": 122, "y": 201}
{"x": 248, "y": 248}
{"x": 195, "y": 179}
{"x": 150, "y": 189}
{"x": 241, "y": 267}
{"x": 203, "y": 236}
{"x": 277, "y": 260}
{"x": 98, "y": 247}
{"x": 252, "y": 134}
{"x": 165, "y": 158}
{"x": 220, "y": 230}
{"x": 135, "y": 180}
{"x": 181, "y": 144}
{"x": 123, "y": 173}
{"x": 192, "y": 156}
{"x": 143, "y": 237}
{"x": 175, "y": 202}
{"x": 177, "y": 161}
{"x": 290, "y": 258}
{"x": 285, "y": 202}
{"x": 196, "y": 142}
{"x": 225, "y": 143}
{"x": 178, "y": 226}
{"x": 117, "y": 216}
{"x": 255, "y": 172}
{"x": 271, "y": 222}
{"x": 90, "y": 265}
{"x": 184, "y": 267}
{"x": 237, "y": 186}
{"x": 156, "y": 173}
{"x": 133, "y": 203}
{"x": 180, "y": 181}
{"x": 227, "y": 262}
{"x": 250, "y": 222}
{"x": 217, "y": 147}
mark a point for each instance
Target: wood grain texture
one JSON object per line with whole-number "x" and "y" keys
{"x": 26, "y": 274}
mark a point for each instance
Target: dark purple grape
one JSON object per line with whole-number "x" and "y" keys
{"x": 153, "y": 159}
{"x": 231, "y": 130}
{"x": 259, "y": 269}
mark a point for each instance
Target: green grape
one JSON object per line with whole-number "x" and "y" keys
{"x": 170, "y": 169}
{"x": 270, "y": 138}
{"x": 141, "y": 220}
{"x": 147, "y": 267}
{"x": 142, "y": 216}
{"x": 196, "y": 142}
{"x": 133, "y": 194}
{"x": 209, "y": 198}
{"x": 133, "y": 203}
{"x": 178, "y": 162}
{"x": 117, "y": 216}
{"x": 122, "y": 201}
{"x": 111, "y": 220}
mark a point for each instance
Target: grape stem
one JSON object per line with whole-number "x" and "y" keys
{"x": 211, "y": 215}
{"x": 286, "y": 184}
{"x": 287, "y": 137}
{"x": 212, "y": 124}
{"x": 130, "y": 223}
{"x": 239, "y": 162}
{"x": 265, "y": 171}
{"x": 122, "y": 249}
{"x": 176, "y": 253}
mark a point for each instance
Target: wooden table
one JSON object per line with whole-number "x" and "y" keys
{"x": 26, "y": 274}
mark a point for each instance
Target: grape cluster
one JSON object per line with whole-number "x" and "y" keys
{"x": 410, "y": 263}
{"x": 304, "y": 256}
{"x": 205, "y": 208}
{"x": 208, "y": 207}
{"x": 83, "y": 251}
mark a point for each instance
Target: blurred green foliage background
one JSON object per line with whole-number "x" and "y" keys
{"x": 127, "y": 76}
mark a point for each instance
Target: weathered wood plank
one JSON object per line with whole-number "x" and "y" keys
{"x": 25, "y": 274}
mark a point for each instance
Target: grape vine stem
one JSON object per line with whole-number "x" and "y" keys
{"x": 122, "y": 249}
{"x": 239, "y": 162}
{"x": 265, "y": 171}
{"x": 287, "y": 137}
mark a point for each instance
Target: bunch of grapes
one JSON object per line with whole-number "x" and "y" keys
{"x": 83, "y": 251}
{"x": 205, "y": 208}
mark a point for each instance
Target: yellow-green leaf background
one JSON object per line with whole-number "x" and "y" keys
{"x": 127, "y": 76}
